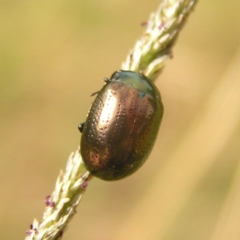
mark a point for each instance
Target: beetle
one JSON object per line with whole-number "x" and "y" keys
{"x": 121, "y": 126}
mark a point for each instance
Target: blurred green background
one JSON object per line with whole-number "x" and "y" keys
{"x": 54, "y": 54}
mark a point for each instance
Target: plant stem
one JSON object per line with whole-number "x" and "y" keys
{"x": 155, "y": 46}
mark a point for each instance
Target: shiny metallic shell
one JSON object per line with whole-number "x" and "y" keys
{"x": 121, "y": 126}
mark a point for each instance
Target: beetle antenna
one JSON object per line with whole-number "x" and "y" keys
{"x": 94, "y": 93}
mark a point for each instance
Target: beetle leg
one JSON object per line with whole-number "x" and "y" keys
{"x": 107, "y": 80}
{"x": 80, "y": 127}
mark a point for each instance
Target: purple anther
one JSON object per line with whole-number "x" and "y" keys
{"x": 144, "y": 24}
{"x": 84, "y": 184}
{"x": 49, "y": 202}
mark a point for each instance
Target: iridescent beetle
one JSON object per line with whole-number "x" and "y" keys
{"x": 121, "y": 126}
